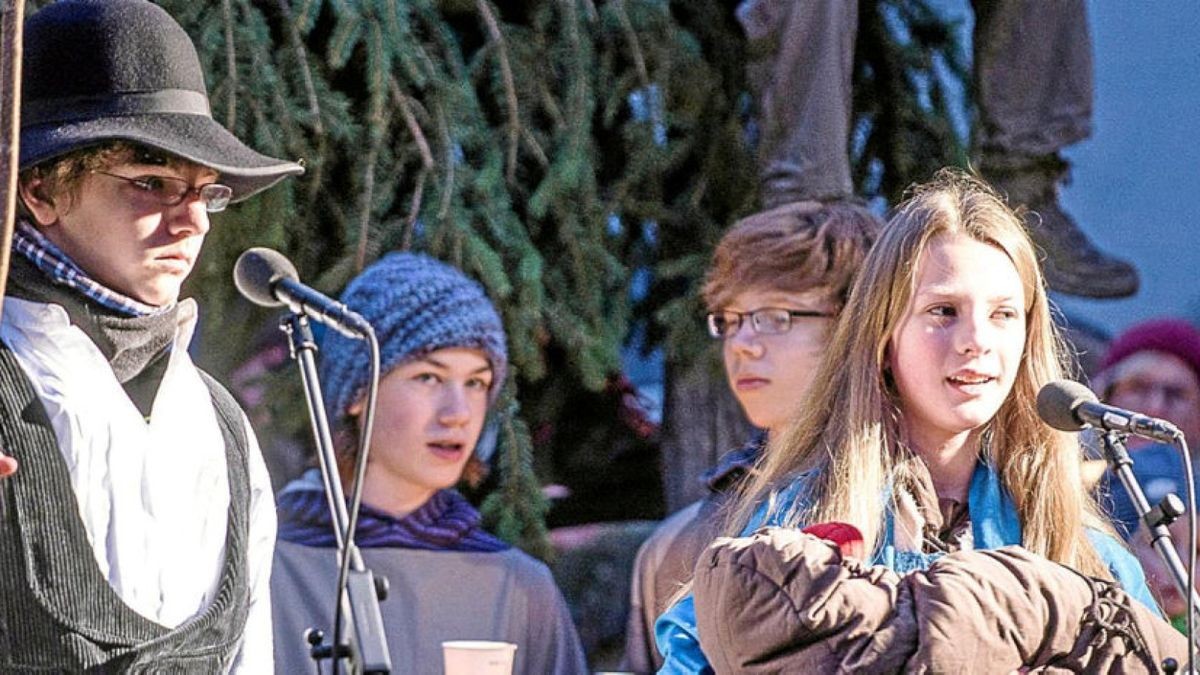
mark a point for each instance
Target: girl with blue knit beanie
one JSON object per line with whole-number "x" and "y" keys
{"x": 443, "y": 360}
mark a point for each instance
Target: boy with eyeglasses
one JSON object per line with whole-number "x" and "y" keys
{"x": 777, "y": 282}
{"x": 138, "y": 528}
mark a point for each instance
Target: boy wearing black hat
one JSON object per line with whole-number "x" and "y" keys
{"x": 137, "y": 532}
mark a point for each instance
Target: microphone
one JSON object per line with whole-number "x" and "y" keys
{"x": 1070, "y": 406}
{"x": 269, "y": 279}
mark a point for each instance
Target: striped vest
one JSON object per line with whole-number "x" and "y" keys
{"x": 58, "y": 613}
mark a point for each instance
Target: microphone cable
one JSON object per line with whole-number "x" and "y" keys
{"x": 1182, "y": 445}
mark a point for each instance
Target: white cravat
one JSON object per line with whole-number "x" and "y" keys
{"x": 153, "y": 497}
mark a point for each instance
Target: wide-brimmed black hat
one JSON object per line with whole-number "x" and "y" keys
{"x": 102, "y": 70}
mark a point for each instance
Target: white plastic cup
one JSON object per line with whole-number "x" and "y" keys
{"x": 478, "y": 657}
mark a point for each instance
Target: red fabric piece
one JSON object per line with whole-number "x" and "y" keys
{"x": 844, "y": 535}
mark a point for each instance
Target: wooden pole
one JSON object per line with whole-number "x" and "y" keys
{"x": 12, "y": 21}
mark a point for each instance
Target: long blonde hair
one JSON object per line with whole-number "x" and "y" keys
{"x": 848, "y": 427}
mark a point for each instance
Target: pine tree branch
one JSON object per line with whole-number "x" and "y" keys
{"x": 310, "y": 93}
{"x": 364, "y": 213}
{"x": 510, "y": 88}
{"x": 448, "y": 187}
{"x": 410, "y": 121}
{"x": 697, "y": 196}
{"x": 306, "y": 13}
{"x": 592, "y": 14}
{"x": 231, "y": 65}
{"x": 414, "y": 208}
{"x": 551, "y": 107}
{"x": 377, "y": 125}
{"x": 536, "y": 148}
{"x": 639, "y": 59}
{"x": 310, "y": 90}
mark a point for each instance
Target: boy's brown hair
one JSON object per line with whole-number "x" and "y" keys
{"x": 794, "y": 248}
{"x": 62, "y": 176}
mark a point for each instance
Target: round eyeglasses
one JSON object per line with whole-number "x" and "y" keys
{"x": 170, "y": 191}
{"x": 765, "y": 321}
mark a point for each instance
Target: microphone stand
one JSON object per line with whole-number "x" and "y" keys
{"x": 359, "y": 592}
{"x": 1156, "y": 520}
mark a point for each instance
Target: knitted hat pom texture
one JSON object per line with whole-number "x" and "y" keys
{"x": 416, "y": 305}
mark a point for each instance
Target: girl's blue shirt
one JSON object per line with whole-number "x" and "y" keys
{"x": 994, "y": 524}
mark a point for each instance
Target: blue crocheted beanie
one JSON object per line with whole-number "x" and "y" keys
{"x": 416, "y": 305}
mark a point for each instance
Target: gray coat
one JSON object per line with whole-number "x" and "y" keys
{"x": 435, "y": 596}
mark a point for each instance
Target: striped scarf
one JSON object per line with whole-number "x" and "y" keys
{"x": 447, "y": 522}
{"x": 62, "y": 270}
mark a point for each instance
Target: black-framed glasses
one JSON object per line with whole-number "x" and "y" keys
{"x": 170, "y": 191}
{"x": 765, "y": 321}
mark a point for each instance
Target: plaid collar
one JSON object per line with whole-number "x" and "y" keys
{"x": 62, "y": 270}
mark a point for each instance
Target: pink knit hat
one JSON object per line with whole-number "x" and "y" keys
{"x": 1173, "y": 336}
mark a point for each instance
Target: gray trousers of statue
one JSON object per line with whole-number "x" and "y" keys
{"x": 1033, "y": 77}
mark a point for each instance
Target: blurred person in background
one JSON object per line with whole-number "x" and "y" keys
{"x": 1154, "y": 368}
